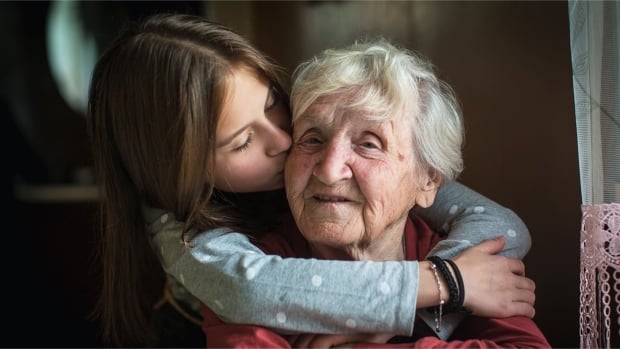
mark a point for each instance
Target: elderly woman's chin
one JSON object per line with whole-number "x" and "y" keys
{"x": 333, "y": 226}
{"x": 320, "y": 214}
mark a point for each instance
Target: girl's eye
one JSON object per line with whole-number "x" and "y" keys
{"x": 245, "y": 145}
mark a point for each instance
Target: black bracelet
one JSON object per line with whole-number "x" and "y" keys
{"x": 459, "y": 280}
{"x": 452, "y": 304}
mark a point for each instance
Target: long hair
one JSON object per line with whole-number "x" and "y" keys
{"x": 154, "y": 103}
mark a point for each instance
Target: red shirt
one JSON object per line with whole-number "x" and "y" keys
{"x": 473, "y": 332}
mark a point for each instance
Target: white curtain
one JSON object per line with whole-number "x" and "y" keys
{"x": 595, "y": 46}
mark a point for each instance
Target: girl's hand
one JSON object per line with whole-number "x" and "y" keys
{"x": 495, "y": 286}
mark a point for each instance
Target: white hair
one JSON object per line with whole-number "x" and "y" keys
{"x": 379, "y": 80}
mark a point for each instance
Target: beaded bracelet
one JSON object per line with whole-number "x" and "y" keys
{"x": 438, "y": 309}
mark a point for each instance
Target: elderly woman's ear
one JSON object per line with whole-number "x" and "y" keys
{"x": 427, "y": 190}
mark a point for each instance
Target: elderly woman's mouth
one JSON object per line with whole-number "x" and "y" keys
{"x": 329, "y": 198}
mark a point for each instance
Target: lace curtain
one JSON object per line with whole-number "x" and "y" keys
{"x": 595, "y": 49}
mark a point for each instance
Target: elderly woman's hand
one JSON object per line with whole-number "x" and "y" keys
{"x": 495, "y": 286}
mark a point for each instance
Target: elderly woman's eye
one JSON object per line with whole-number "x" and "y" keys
{"x": 313, "y": 140}
{"x": 370, "y": 141}
{"x": 370, "y": 145}
{"x": 309, "y": 137}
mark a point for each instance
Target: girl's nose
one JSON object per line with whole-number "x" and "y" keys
{"x": 279, "y": 140}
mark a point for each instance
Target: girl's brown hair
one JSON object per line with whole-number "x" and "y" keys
{"x": 154, "y": 104}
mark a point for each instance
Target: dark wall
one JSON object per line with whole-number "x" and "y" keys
{"x": 509, "y": 63}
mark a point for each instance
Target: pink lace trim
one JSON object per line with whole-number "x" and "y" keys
{"x": 600, "y": 275}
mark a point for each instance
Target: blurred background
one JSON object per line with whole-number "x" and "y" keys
{"x": 509, "y": 62}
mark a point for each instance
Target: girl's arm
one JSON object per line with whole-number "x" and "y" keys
{"x": 242, "y": 285}
{"x": 468, "y": 218}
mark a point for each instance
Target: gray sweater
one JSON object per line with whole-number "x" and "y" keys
{"x": 241, "y": 284}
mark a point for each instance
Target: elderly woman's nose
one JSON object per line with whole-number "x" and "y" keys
{"x": 279, "y": 140}
{"x": 333, "y": 163}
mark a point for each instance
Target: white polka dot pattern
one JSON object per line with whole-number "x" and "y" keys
{"x": 384, "y": 288}
{"x": 317, "y": 281}
{"x": 250, "y": 273}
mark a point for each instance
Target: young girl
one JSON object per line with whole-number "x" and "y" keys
{"x": 190, "y": 130}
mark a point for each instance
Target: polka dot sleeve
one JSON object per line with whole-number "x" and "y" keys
{"x": 468, "y": 218}
{"x": 241, "y": 284}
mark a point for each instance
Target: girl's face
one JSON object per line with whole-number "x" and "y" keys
{"x": 252, "y": 137}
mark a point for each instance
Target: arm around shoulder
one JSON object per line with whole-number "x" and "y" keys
{"x": 469, "y": 218}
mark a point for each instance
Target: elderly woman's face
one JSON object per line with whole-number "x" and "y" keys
{"x": 349, "y": 181}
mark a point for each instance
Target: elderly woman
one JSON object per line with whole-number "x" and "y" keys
{"x": 372, "y": 122}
